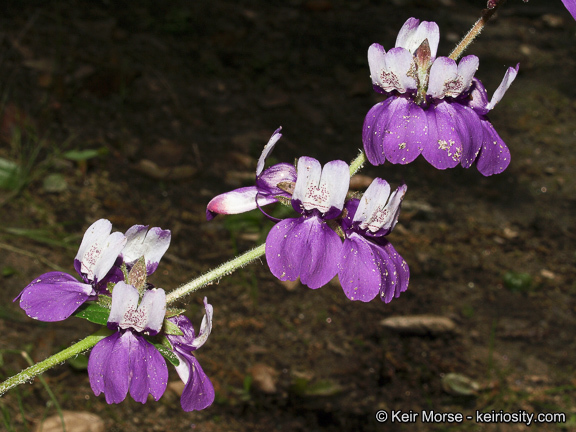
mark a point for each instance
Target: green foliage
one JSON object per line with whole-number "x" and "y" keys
{"x": 520, "y": 282}
{"x": 93, "y": 312}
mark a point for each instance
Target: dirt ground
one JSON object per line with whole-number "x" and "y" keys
{"x": 141, "y": 112}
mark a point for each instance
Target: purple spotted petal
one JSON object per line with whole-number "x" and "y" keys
{"x": 199, "y": 391}
{"x": 152, "y": 245}
{"x": 108, "y": 367}
{"x": 358, "y": 270}
{"x": 471, "y": 133}
{"x": 396, "y": 275}
{"x": 406, "y": 133}
{"x": 374, "y": 130}
{"x": 444, "y": 147}
{"x": 305, "y": 248}
{"x": 148, "y": 370}
{"x": 494, "y": 155}
{"x": 478, "y": 99}
{"x": 54, "y": 296}
{"x": 571, "y": 6}
{"x": 124, "y": 361}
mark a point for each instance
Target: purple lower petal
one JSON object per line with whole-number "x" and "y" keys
{"x": 305, "y": 248}
{"x": 358, "y": 270}
{"x": 406, "y": 132}
{"x": 494, "y": 156}
{"x": 396, "y": 273}
{"x": 471, "y": 133}
{"x": 374, "y": 130}
{"x": 444, "y": 147}
{"x": 108, "y": 367}
{"x": 54, "y": 296}
{"x": 199, "y": 391}
{"x": 148, "y": 370}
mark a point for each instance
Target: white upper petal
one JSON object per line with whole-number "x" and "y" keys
{"x": 205, "y": 327}
{"x": 267, "y": 149}
{"x": 508, "y": 79}
{"x": 95, "y": 233}
{"x": 413, "y": 33}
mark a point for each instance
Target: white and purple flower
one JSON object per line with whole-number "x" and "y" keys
{"x": 369, "y": 264}
{"x": 307, "y": 247}
{"x": 198, "y": 392}
{"x": 264, "y": 192}
{"x": 125, "y": 361}
{"x": 54, "y": 296}
{"x": 435, "y": 107}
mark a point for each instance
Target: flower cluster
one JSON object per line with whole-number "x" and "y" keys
{"x": 333, "y": 235}
{"x": 114, "y": 268}
{"x": 434, "y": 106}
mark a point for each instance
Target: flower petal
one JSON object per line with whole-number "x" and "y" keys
{"x": 267, "y": 150}
{"x": 54, "y": 296}
{"x": 374, "y": 130}
{"x": 443, "y": 76}
{"x": 471, "y": 133}
{"x": 392, "y": 71}
{"x": 413, "y": 33}
{"x": 494, "y": 156}
{"x": 305, "y": 248}
{"x": 148, "y": 371}
{"x": 108, "y": 367}
{"x": 199, "y": 391}
{"x": 205, "y": 327}
{"x": 94, "y": 234}
{"x": 507, "y": 81}
{"x": 152, "y": 245}
{"x": 358, "y": 270}
{"x": 571, "y": 6}
{"x": 267, "y": 182}
{"x": 124, "y": 306}
{"x": 444, "y": 147}
{"x": 237, "y": 201}
{"x": 407, "y": 132}
{"x": 395, "y": 271}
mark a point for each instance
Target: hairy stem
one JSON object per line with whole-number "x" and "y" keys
{"x": 27, "y": 374}
{"x": 493, "y": 6}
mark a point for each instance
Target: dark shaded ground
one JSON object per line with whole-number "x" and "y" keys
{"x": 193, "y": 90}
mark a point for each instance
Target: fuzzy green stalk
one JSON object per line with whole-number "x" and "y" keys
{"x": 78, "y": 348}
{"x": 476, "y": 29}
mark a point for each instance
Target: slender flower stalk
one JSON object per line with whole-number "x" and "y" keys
{"x": 78, "y": 348}
{"x": 488, "y": 13}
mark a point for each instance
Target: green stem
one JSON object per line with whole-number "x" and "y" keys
{"x": 27, "y": 374}
{"x": 217, "y": 273}
{"x": 476, "y": 29}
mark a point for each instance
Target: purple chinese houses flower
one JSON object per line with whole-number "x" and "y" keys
{"x": 369, "y": 265}
{"x": 435, "y": 107}
{"x": 54, "y": 296}
{"x": 308, "y": 247}
{"x": 265, "y": 191}
{"x": 125, "y": 361}
{"x": 198, "y": 392}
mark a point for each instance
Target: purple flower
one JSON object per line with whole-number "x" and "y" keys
{"x": 266, "y": 189}
{"x": 571, "y": 6}
{"x": 198, "y": 392}
{"x": 126, "y": 361}
{"x": 369, "y": 264}
{"x": 151, "y": 245}
{"x": 55, "y": 296}
{"x": 435, "y": 107}
{"x": 308, "y": 247}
